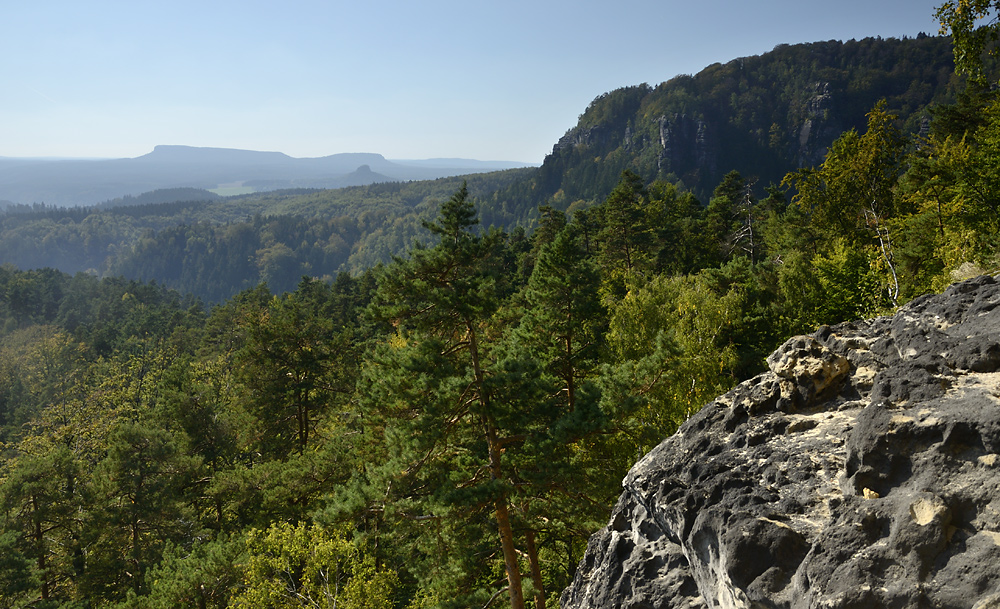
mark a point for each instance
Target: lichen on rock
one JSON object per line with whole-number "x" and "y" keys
{"x": 860, "y": 471}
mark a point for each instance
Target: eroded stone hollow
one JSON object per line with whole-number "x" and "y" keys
{"x": 861, "y": 471}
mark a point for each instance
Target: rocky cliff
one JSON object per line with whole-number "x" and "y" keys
{"x": 861, "y": 471}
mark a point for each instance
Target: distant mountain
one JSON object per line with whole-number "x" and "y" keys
{"x": 183, "y": 155}
{"x": 88, "y": 182}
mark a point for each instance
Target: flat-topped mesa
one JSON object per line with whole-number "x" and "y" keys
{"x": 861, "y": 471}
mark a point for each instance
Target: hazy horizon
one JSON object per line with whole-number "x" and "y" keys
{"x": 442, "y": 160}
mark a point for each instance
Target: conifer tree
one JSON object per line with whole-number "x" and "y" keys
{"x": 625, "y": 234}
{"x": 679, "y": 230}
{"x": 40, "y": 496}
{"x": 141, "y": 482}
{"x": 16, "y": 577}
{"x": 444, "y": 429}
{"x": 288, "y": 366}
{"x": 732, "y": 219}
{"x": 560, "y": 334}
{"x": 562, "y": 326}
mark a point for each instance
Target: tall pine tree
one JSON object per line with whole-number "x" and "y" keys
{"x": 444, "y": 430}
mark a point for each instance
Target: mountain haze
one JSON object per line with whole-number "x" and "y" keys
{"x": 88, "y": 182}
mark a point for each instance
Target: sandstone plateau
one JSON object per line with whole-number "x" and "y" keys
{"x": 861, "y": 471}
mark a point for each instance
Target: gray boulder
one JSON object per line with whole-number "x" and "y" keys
{"x": 861, "y": 471}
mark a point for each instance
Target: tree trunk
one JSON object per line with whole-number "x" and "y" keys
{"x": 885, "y": 245}
{"x": 536, "y": 570}
{"x": 40, "y": 547}
{"x": 570, "y": 373}
{"x": 302, "y": 416}
{"x": 496, "y": 472}
{"x": 509, "y": 554}
{"x": 136, "y": 558}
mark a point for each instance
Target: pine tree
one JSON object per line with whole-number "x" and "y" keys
{"x": 431, "y": 384}
{"x": 289, "y": 365}
{"x": 563, "y": 324}
{"x": 40, "y": 495}
{"x": 141, "y": 482}
{"x": 550, "y": 373}
{"x": 624, "y": 232}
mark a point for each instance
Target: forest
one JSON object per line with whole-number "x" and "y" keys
{"x": 447, "y": 428}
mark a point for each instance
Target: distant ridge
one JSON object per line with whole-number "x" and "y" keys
{"x": 192, "y": 154}
{"x": 71, "y": 182}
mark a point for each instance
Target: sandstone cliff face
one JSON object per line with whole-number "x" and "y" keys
{"x": 819, "y": 129}
{"x": 861, "y": 471}
{"x": 686, "y": 145}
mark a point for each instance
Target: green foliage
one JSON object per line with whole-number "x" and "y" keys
{"x": 852, "y": 194}
{"x": 852, "y": 190}
{"x": 980, "y": 180}
{"x": 289, "y": 365}
{"x": 16, "y": 577}
{"x": 204, "y": 576}
{"x": 733, "y": 220}
{"x": 444, "y": 428}
{"x": 563, "y": 323}
{"x": 307, "y": 566}
{"x": 549, "y": 374}
{"x": 141, "y": 482}
{"x": 625, "y": 233}
{"x": 973, "y": 27}
{"x": 678, "y": 226}
{"x": 40, "y": 496}
{"x": 671, "y": 339}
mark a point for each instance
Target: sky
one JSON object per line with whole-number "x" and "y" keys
{"x": 474, "y": 79}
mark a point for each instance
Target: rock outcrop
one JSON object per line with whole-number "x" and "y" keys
{"x": 819, "y": 128}
{"x": 686, "y": 145}
{"x": 861, "y": 471}
{"x": 597, "y": 135}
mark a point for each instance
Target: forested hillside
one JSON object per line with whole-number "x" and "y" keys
{"x": 762, "y": 116}
{"x": 446, "y": 429}
{"x": 214, "y": 247}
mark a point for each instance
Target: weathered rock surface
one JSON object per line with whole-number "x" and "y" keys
{"x": 861, "y": 471}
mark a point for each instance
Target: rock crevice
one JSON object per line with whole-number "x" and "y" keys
{"x": 861, "y": 470}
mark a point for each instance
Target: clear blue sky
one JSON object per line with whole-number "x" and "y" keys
{"x": 488, "y": 80}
